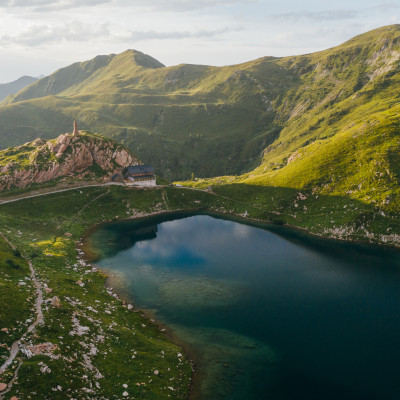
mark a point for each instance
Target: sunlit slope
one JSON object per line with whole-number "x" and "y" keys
{"x": 286, "y": 117}
{"x": 341, "y": 125}
{"x": 351, "y": 146}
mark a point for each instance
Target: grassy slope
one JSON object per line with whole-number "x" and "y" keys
{"x": 38, "y": 228}
{"x": 183, "y": 119}
{"x": 117, "y": 333}
{"x": 16, "y": 299}
{"x": 341, "y": 125}
{"x": 213, "y": 121}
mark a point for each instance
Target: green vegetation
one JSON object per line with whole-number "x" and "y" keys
{"x": 63, "y": 160}
{"x": 14, "y": 87}
{"x": 212, "y": 121}
{"x": 16, "y": 296}
{"x": 96, "y": 343}
{"x": 320, "y": 134}
{"x": 93, "y": 344}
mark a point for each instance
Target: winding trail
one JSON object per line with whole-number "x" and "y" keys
{"x": 39, "y": 313}
{"x": 59, "y": 191}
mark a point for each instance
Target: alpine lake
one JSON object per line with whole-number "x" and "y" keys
{"x": 265, "y": 312}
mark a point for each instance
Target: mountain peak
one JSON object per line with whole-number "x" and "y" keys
{"x": 141, "y": 59}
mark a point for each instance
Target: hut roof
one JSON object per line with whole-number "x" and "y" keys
{"x": 140, "y": 170}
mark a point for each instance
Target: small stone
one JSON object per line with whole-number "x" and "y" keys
{"x": 156, "y": 372}
{"x": 48, "y": 290}
{"x": 14, "y": 398}
{"x": 124, "y": 385}
{"x": 125, "y": 394}
{"x": 3, "y": 386}
{"x": 130, "y": 306}
{"x": 4, "y": 329}
{"x": 55, "y": 301}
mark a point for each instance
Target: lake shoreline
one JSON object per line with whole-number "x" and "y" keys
{"x": 110, "y": 281}
{"x": 193, "y": 357}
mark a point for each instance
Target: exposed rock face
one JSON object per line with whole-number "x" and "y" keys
{"x": 83, "y": 157}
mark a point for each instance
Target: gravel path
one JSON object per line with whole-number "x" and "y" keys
{"x": 39, "y": 313}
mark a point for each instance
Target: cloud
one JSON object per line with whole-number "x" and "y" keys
{"x": 37, "y": 35}
{"x": 182, "y": 5}
{"x": 202, "y": 33}
{"x": 51, "y": 3}
{"x": 329, "y": 15}
{"x": 336, "y": 15}
{"x": 153, "y": 5}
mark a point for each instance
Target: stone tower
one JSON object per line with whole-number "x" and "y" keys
{"x": 75, "y": 132}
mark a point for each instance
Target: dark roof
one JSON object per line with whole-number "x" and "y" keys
{"x": 140, "y": 169}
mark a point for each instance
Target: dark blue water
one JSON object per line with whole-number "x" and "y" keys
{"x": 269, "y": 313}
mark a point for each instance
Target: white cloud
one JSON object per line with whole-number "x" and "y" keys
{"x": 153, "y": 5}
{"x": 152, "y": 35}
{"x": 328, "y": 15}
{"x": 37, "y": 35}
{"x": 51, "y": 4}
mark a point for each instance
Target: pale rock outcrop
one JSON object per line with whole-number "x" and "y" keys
{"x": 68, "y": 155}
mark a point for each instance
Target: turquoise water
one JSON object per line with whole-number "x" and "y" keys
{"x": 268, "y": 313}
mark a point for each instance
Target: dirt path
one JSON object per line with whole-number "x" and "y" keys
{"x": 39, "y": 313}
{"x": 59, "y": 191}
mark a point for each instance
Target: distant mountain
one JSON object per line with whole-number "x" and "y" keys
{"x": 14, "y": 87}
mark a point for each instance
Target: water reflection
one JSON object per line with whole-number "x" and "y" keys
{"x": 271, "y": 314}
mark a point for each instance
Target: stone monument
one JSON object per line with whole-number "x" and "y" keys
{"x": 75, "y": 132}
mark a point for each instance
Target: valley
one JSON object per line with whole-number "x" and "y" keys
{"x": 310, "y": 142}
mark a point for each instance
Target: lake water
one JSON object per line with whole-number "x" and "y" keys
{"x": 268, "y": 313}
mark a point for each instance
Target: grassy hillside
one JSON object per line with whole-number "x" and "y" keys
{"x": 341, "y": 124}
{"x": 14, "y": 87}
{"x": 304, "y": 121}
{"x": 184, "y": 119}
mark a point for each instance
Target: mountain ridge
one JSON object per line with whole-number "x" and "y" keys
{"x": 206, "y": 121}
{"x": 10, "y": 88}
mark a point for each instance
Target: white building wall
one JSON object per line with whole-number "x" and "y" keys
{"x": 142, "y": 183}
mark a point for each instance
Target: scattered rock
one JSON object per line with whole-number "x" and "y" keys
{"x": 75, "y": 156}
{"x": 48, "y": 290}
{"x": 156, "y": 372}
{"x": 125, "y": 394}
{"x": 3, "y": 386}
{"x": 55, "y": 301}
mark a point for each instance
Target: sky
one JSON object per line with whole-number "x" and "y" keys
{"x": 39, "y": 36}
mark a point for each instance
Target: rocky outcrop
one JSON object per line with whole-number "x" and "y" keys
{"x": 83, "y": 157}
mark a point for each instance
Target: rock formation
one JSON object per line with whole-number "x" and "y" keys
{"x": 84, "y": 156}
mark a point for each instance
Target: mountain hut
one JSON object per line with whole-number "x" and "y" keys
{"x": 140, "y": 175}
